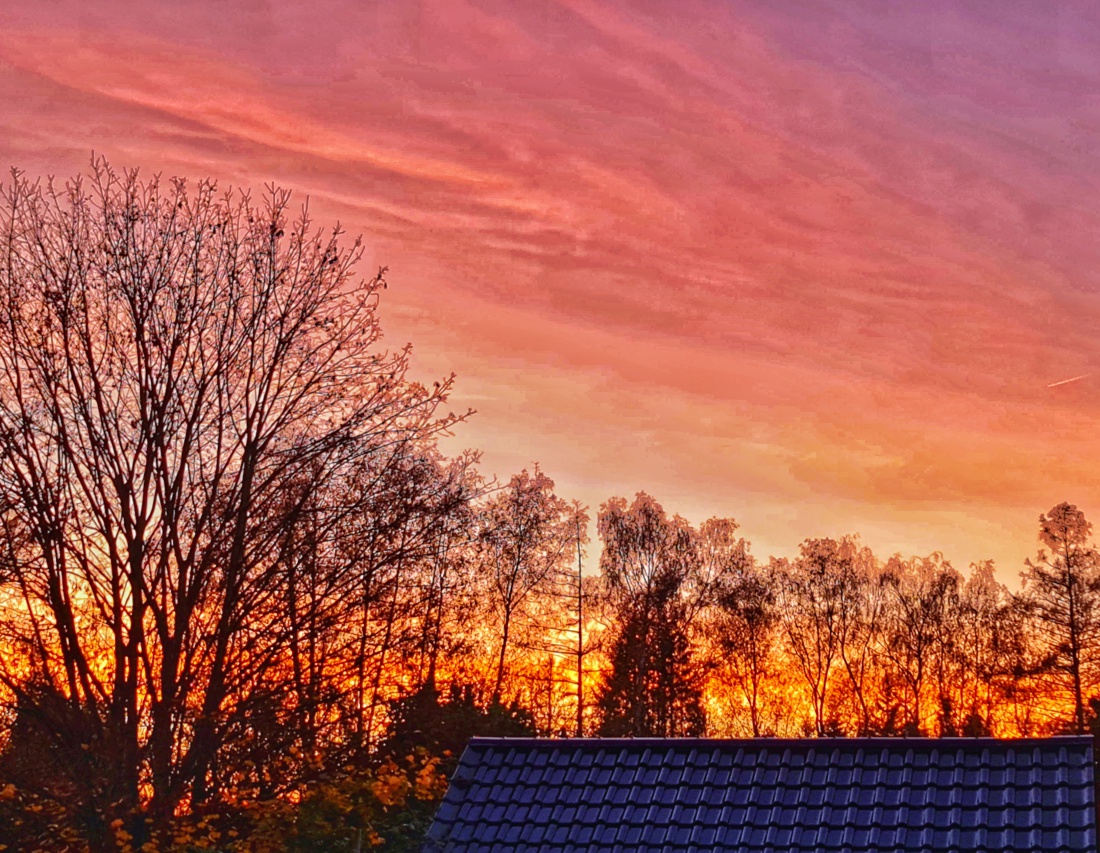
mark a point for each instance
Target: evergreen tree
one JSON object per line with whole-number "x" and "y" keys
{"x": 1062, "y": 593}
{"x": 654, "y": 685}
{"x": 653, "y": 688}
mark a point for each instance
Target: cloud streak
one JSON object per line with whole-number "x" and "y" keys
{"x": 770, "y": 261}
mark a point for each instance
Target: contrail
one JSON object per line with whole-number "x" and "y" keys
{"x": 1067, "y": 381}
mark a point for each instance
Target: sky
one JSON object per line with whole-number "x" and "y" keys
{"x": 817, "y": 266}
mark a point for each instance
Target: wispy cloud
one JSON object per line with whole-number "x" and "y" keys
{"x": 793, "y": 253}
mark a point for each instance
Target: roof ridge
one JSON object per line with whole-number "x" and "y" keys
{"x": 649, "y": 742}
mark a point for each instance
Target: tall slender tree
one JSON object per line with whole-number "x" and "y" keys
{"x": 526, "y": 534}
{"x": 1061, "y": 590}
{"x": 746, "y": 633}
{"x": 923, "y": 598}
{"x": 818, "y": 595}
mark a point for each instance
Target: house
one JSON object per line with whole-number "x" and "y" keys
{"x": 823, "y": 795}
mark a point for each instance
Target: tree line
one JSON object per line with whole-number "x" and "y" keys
{"x": 837, "y": 642}
{"x": 246, "y": 603}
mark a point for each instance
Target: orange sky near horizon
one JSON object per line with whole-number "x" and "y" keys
{"x": 812, "y": 265}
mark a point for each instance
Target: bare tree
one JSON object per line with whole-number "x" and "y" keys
{"x": 411, "y": 548}
{"x": 746, "y": 633}
{"x": 555, "y": 626}
{"x": 977, "y": 652}
{"x": 818, "y": 592}
{"x": 577, "y": 596}
{"x": 526, "y": 535}
{"x": 183, "y": 376}
{"x": 860, "y": 612}
{"x": 922, "y": 594}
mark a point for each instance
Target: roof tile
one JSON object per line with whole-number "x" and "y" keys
{"x": 831, "y": 796}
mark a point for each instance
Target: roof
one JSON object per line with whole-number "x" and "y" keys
{"x": 824, "y": 795}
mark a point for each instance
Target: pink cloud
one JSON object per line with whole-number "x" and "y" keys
{"x": 813, "y": 256}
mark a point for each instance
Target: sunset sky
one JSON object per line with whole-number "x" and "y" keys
{"x": 817, "y": 269}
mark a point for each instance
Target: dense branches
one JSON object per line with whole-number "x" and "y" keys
{"x": 526, "y": 533}
{"x": 1062, "y": 591}
{"x": 661, "y": 575}
{"x": 190, "y": 386}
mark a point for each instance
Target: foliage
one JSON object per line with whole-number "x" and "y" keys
{"x": 654, "y": 571}
{"x": 425, "y": 720}
{"x": 1062, "y": 592}
{"x": 385, "y": 806}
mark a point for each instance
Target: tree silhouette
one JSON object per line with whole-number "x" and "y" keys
{"x": 526, "y": 536}
{"x": 184, "y": 378}
{"x": 923, "y": 595}
{"x": 240, "y": 584}
{"x": 818, "y": 594}
{"x": 747, "y": 633}
{"x": 653, "y": 685}
{"x": 1061, "y": 590}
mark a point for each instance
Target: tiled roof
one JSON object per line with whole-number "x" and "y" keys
{"x": 825, "y": 795}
